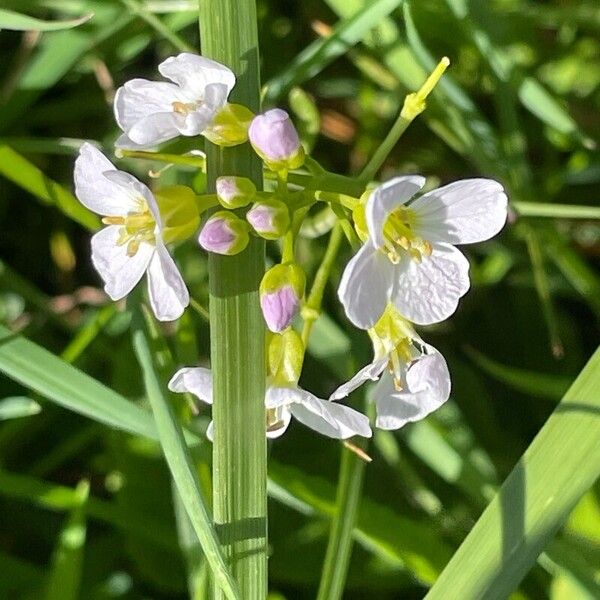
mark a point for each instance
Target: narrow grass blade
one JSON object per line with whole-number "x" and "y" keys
{"x": 20, "y": 171}
{"x": 38, "y": 369}
{"x": 559, "y": 466}
{"x": 18, "y": 406}
{"x": 59, "y": 498}
{"x": 313, "y": 59}
{"x": 10, "y": 19}
{"x": 182, "y": 469}
{"x": 67, "y": 562}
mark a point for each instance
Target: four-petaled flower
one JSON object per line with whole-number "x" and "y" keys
{"x": 282, "y": 402}
{"x": 131, "y": 244}
{"x": 409, "y": 258}
{"x": 152, "y": 112}
{"x": 413, "y": 376}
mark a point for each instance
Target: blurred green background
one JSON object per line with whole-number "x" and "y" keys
{"x": 520, "y": 104}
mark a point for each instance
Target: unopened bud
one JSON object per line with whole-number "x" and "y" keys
{"x": 286, "y": 355}
{"x": 235, "y": 192}
{"x": 179, "y": 212}
{"x": 275, "y": 139}
{"x": 224, "y": 233}
{"x": 229, "y": 126}
{"x": 281, "y": 291}
{"x": 269, "y": 218}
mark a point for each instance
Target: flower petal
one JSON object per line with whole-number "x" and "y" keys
{"x": 94, "y": 190}
{"x": 464, "y": 212}
{"x": 366, "y": 286}
{"x": 195, "y": 380}
{"x": 428, "y": 292}
{"x": 385, "y": 199}
{"x": 135, "y": 191}
{"x": 372, "y": 371}
{"x": 428, "y": 387}
{"x": 330, "y": 419}
{"x": 194, "y": 73}
{"x": 119, "y": 271}
{"x": 166, "y": 288}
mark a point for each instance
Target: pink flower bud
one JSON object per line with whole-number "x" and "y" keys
{"x": 279, "y": 307}
{"x": 269, "y": 218}
{"x": 235, "y": 192}
{"x": 275, "y": 139}
{"x": 281, "y": 292}
{"x": 224, "y": 233}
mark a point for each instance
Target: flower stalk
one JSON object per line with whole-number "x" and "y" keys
{"x": 228, "y": 30}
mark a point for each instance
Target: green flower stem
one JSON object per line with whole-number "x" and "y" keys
{"x": 378, "y": 158}
{"x": 556, "y": 211}
{"x": 228, "y": 31}
{"x": 339, "y": 547}
{"x": 312, "y": 308}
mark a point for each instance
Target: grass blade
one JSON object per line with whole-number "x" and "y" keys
{"x": 559, "y": 466}
{"x": 182, "y": 469}
{"x": 67, "y": 562}
{"x": 27, "y": 176}
{"x": 314, "y": 58}
{"x": 15, "y": 21}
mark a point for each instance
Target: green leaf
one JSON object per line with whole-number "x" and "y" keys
{"x": 315, "y": 57}
{"x": 18, "y": 406}
{"x": 183, "y": 470}
{"x": 559, "y": 466}
{"x": 20, "y": 171}
{"x": 18, "y": 22}
{"x": 67, "y": 562}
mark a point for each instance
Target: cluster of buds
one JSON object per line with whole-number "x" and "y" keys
{"x": 406, "y": 272}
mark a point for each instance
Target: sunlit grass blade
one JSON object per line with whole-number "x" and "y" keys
{"x": 18, "y": 406}
{"x": 183, "y": 471}
{"x": 67, "y": 561}
{"x": 38, "y": 369}
{"x": 19, "y": 22}
{"x": 20, "y": 171}
{"x": 313, "y": 59}
{"x": 559, "y": 466}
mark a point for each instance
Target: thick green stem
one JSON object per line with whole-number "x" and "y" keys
{"x": 339, "y": 548}
{"x": 229, "y": 35}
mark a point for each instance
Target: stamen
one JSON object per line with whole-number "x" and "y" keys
{"x": 415, "y": 255}
{"x": 113, "y": 220}
{"x": 183, "y": 108}
{"x": 133, "y": 246}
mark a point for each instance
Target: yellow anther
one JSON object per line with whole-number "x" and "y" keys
{"x": 404, "y": 242}
{"x": 183, "y": 108}
{"x": 397, "y": 385}
{"x": 426, "y": 248}
{"x": 415, "y": 255}
{"x": 113, "y": 220}
{"x": 133, "y": 246}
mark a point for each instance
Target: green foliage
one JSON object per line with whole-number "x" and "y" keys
{"x": 518, "y": 103}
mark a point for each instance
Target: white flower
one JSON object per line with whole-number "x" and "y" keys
{"x": 152, "y": 112}
{"x": 409, "y": 258}
{"x": 413, "y": 376}
{"x": 281, "y": 403}
{"x": 131, "y": 244}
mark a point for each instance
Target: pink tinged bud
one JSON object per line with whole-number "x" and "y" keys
{"x": 281, "y": 291}
{"x": 224, "y": 233}
{"x": 235, "y": 192}
{"x": 269, "y": 218}
{"x": 275, "y": 139}
{"x": 279, "y": 308}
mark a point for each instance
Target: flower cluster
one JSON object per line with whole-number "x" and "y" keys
{"x": 406, "y": 270}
